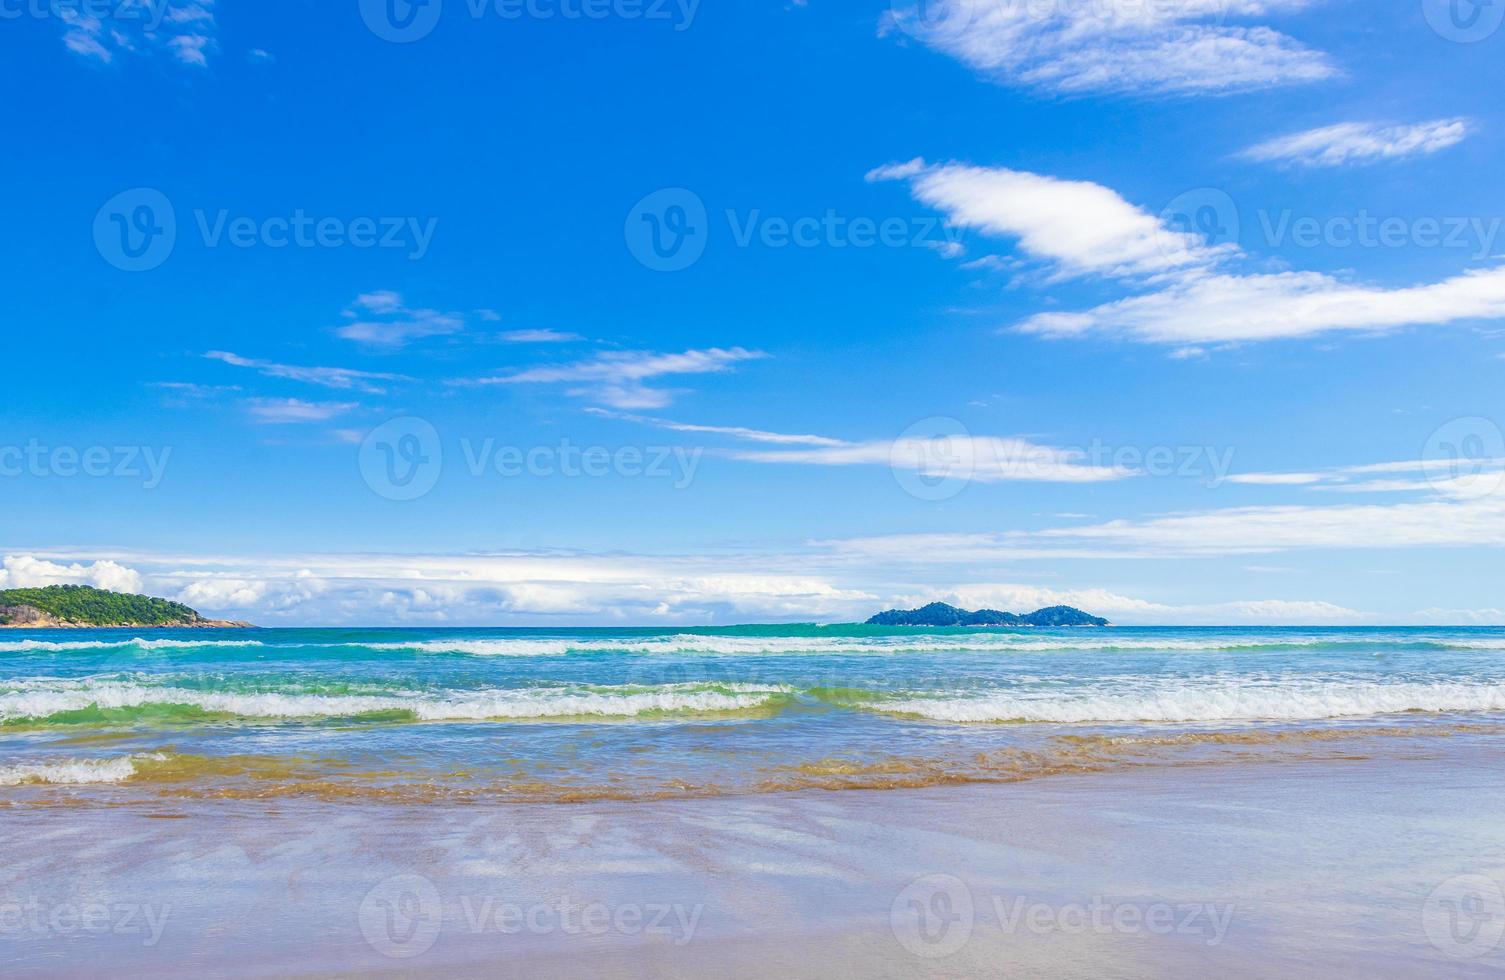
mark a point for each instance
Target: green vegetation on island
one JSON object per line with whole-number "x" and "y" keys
{"x": 83, "y": 605}
{"x": 941, "y": 614}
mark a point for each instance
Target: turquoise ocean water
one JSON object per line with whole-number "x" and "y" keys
{"x": 121, "y": 716}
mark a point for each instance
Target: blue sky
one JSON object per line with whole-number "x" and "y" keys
{"x": 556, "y": 313}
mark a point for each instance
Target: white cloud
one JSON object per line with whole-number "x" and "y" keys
{"x": 278, "y": 411}
{"x": 1463, "y": 507}
{"x": 984, "y": 459}
{"x": 1450, "y": 476}
{"x": 616, "y": 378}
{"x": 328, "y": 377}
{"x": 527, "y": 588}
{"x": 1215, "y": 308}
{"x": 1080, "y": 226}
{"x": 182, "y": 29}
{"x": 732, "y": 431}
{"x": 1472, "y": 617}
{"x": 381, "y": 319}
{"x": 540, "y": 337}
{"x": 1085, "y": 228}
{"x": 1276, "y": 479}
{"x": 1355, "y": 142}
{"x": 1254, "y": 530}
{"x": 1178, "y": 47}
{"x": 480, "y": 589}
{"x": 27, "y": 572}
{"x": 952, "y": 456}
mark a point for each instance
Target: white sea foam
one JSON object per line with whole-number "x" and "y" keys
{"x": 74, "y": 771}
{"x": 781, "y": 645}
{"x": 1222, "y": 701}
{"x": 1091, "y": 641}
{"x": 39, "y": 701}
{"x": 26, "y": 646}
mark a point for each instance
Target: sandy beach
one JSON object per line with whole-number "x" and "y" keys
{"x": 1376, "y": 867}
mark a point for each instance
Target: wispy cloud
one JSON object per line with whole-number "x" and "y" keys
{"x": 1175, "y": 47}
{"x": 1440, "y": 521}
{"x": 539, "y": 337}
{"x": 617, "y": 378}
{"x": 1082, "y": 228}
{"x": 328, "y": 377}
{"x": 1451, "y": 477}
{"x": 985, "y": 459}
{"x": 1214, "y": 308}
{"x": 1357, "y": 143}
{"x": 281, "y": 411}
{"x": 381, "y": 319}
{"x": 732, "y": 431}
{"x": 184, "y": 30}
{"x": 181, "y": 394}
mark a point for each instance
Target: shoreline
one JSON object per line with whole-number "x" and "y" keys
{"x": 1249, "y": 871}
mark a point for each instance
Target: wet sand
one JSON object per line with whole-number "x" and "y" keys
{"x": 1372, "y": 867}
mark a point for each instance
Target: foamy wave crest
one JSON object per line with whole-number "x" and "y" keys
{"x": 75, "y": 771}
{"x": 788, "y": 645}
{"x": 38, "y": 703}
{"x": 1208, "y": 703}
{"x": 486, "y": 648}
{"x": 51, "y": 646}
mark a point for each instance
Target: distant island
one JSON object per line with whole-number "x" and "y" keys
{"x": 941, "y": 614}
{"x": 62, "y": 606}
